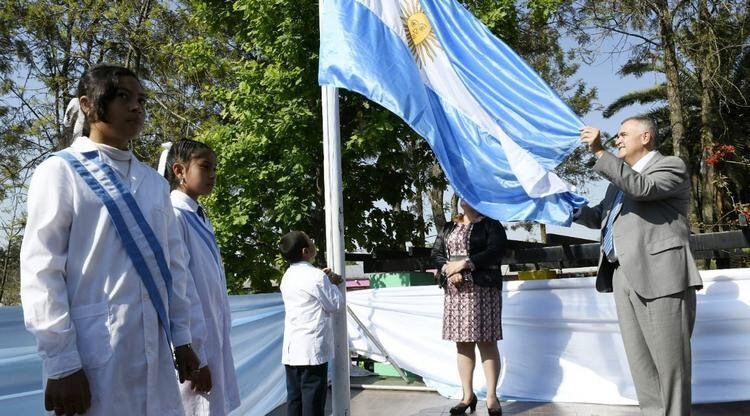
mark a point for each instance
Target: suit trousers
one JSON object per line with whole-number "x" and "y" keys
{"x": 656, "y": 333}
{"x": 306, "y": 389}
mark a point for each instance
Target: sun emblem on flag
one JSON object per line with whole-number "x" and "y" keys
{"x": 421, "y": 37}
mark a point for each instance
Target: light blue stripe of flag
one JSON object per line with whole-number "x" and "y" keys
{"x": 361, "y": 53}
{"x": 505, "y": 85}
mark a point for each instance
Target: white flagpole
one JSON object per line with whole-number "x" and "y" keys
{"x": 341, "y": 397}
{"x": 335, "y": 245}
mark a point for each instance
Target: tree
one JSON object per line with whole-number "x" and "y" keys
{"x": 242, "y": 76}
{"x": 46, "y": 45}
{"x": 268, "y": 138}
{"x": 268, "y": 142}
{"x": 12, "y": 221}
{"x": 714, "y": 43}
{"x": 699, "y": 46}
{"x": 54, "y": 42}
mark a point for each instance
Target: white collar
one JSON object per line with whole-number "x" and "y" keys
{"x": 182, "y": 200}
{"x": 114, "y": 153}
{"x": 642, "y": 162}
{"x": 84, "y": 144}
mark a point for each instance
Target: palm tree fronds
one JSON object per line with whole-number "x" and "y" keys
{"x": 657, "y": 93}
{"x": 638, "y": 68}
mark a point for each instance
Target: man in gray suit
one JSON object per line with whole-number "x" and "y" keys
{"x": 646, "y": 261}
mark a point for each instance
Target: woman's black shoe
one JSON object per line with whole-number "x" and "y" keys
{"x": 460, "y": 408}
{"x": 495, "y": 411}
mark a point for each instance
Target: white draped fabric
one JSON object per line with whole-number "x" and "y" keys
{"x": 561, "y": 344}
{"x": 257, "y": 330}
{"x": 561, "y": 340}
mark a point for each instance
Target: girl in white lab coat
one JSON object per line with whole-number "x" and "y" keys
{"x": 103, "y": 278}
{"x": 190, "y": 167}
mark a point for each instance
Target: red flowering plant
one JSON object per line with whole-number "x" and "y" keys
{"x": 743, "y": 219}
{"x": 719, "y": 152}
{"x": 723, "y": 153}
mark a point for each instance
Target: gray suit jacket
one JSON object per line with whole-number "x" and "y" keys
{"x": 651, "y": 231}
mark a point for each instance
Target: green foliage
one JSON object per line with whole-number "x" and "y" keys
{"x": 710, "y": 42}
{"x": 268, "y": 138}
{"x": 55, "y": 41}
{"x": 501, "y": 17}
{"x": 242, "y": 75}
{"x": 46, "y": 45}
{"x": 269, "y": 141}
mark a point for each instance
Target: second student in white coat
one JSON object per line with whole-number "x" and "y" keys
{"x": 190, "y": 167}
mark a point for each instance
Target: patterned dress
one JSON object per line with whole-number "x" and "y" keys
{"x": 471, "y": 313}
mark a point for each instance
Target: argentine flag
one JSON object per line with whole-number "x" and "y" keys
{"x": 497, "y": 129}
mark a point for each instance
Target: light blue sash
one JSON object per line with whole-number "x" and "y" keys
{"x": 204, "y": 233}
{"x": 138, "y": 238}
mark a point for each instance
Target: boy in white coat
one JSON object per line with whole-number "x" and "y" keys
{"x": 102, "y": 338}
{"x": 310, "y": 297}
{"x": 190, "y": 168}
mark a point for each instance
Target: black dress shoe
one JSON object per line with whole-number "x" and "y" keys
{"x": 495, "y": 411}
{"x": 460, "y": 408}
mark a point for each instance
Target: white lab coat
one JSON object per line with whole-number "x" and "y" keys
{"x": 310, "y": 299}
{"x": 211, "y": 318}
{"x": 84, "y": 301}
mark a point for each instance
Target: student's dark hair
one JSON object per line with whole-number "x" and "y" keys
{"x": 181, "y": 152}
{"x": 291, "y": 245}
{"x": 100, "y": 83}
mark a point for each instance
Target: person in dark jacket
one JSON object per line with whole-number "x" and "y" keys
{"x": 467, "y": 254}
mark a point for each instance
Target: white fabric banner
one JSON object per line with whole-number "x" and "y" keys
{"x": 257, "y": 329}
{"x": 561, "y": 344}
{"x": 561, "y": 340}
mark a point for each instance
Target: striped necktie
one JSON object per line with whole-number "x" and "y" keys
{"x": 201, "y": 213}
{"x": 608, "y": 246}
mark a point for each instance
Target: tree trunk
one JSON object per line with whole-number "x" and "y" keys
{"x": 695, "y": 202}
{"x": 674, "y": 98}
{"x": 436, "y": 199}
{"x": 672, "y": 72}
{"x": 6, "y": 256}
{"x": 708, "y": 178}
{"x": 707, "y": 66}
{"x": 133, "y": 58}
{"x": 419, "y": 208}
{"x": 12, "y": 231}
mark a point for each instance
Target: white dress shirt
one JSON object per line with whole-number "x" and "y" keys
{"x": 84, "y": 301}
{"x": 210, "y": 319}
{"x": 309, "y": 300}
{"x": 642, "y": 162}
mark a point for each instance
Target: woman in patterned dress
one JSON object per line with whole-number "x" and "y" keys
{"x": 468, "y": 252}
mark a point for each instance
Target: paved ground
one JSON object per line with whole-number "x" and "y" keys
{"x": 414, "y": 403}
